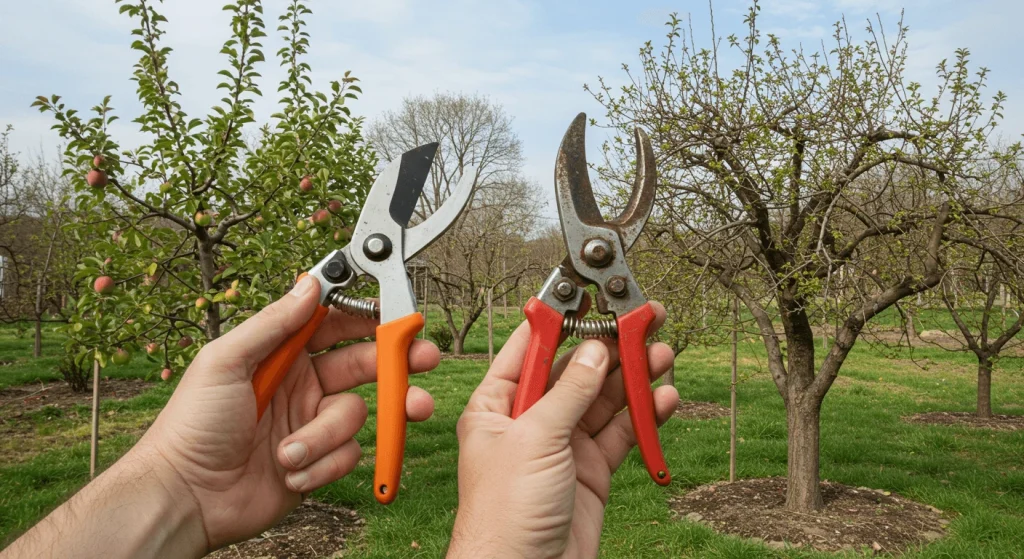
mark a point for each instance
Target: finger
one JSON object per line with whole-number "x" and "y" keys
{"x": 335, "y": 465}
{"x": 562, "y": 407}
{"x": 497, "y": 390}
{"x": 254, "y": 339}
{"x": 355, "y": 365}
{"x": 612, "y": 398}
{"x": 618, "y": 438}
{"x": 659, "y": 320}
{"x": 419, "y": 404}
{"x": 340, "y": 326}
{"x": 334, "y": 424}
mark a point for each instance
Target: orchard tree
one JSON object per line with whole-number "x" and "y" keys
{"x": 984, "y": 295}
{"x": 809, "y": 185}
{"x": 211, "y": 217}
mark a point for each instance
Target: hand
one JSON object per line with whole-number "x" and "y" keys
{"x": 245, "y": 477}
{"x": 537, "y": 486}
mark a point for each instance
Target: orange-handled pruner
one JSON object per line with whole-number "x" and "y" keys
{"x": 597, "y": 256}
{"x": 380, "y": 247}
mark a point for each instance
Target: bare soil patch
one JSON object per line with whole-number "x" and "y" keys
{"x": 853, "y": 518}
{"x": 464, "y": 357}
{"x": 15, "y": 400}
{"x": 314, "y": 529}
{"x": 700, "y": 410}
{"x": 968, "y": 419}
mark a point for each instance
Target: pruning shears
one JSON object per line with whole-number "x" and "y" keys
{"x": 596, "y": 255}
{"x": 380, "y": 246}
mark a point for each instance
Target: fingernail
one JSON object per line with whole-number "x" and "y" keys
{"x": 297, "y": 481}
{"x": 296, "y": 453}
{"x": 302, "y": 287}
{"x": 590, "y": 354}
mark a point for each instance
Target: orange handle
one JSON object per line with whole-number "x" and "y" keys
{"x": 393, "y": 341}
{"x": 272, "y": 370}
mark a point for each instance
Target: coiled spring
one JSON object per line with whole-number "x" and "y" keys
{"x": 589, "y": 328}
{"x": 354, "y": 305}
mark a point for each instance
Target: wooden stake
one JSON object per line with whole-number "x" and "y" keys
{"x": 426, "y": 304}
{"x": 94, "y": 445}
{"x": 732, "y": 390}
{"x": 490, "y": 326}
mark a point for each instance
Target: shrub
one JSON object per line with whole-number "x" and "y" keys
{"x": 442, "y": 336}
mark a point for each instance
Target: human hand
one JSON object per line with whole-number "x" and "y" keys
{"x": 245, "y": 476}
{"x": 537, "y": 486}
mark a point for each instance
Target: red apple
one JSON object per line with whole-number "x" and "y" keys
{"x": 259, "y": 221}
{"x": 96, "y": 178}
{"x": 203, "y": 219}
{"x": 185, "y": 341}
{"x": 232, "y": 295}
{"x": 166, "y": 374}
{"x": 202, "y": 303}
{"x": 120, "y": 357}
{"x": 306, "y": 184}
{"x": 108, "y": 261}
{"x": 320, "y": 217}
{"x": 103, "y": 285}
{"x": 130, "y": 321}
{"x": 302, "y": 224}
{"x": 97, "y": 161}
{"x": 152, "y": 348}
{"x": 334, "y": 206}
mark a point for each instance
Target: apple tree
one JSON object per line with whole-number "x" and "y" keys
{"x": 210, "y": 218}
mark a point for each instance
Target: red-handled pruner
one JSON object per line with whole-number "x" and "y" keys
{"x": 381, "y": 245}
{"x": 597, "y": 256}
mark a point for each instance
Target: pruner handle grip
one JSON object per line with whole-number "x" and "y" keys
{"x": 272, "y": 370}
{"x": 545, "y": 337}
{"x": 636, "y": 377}
{"x": 393, "y": 341}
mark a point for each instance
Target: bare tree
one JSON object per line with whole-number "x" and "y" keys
{"x": 810, "y": 185}
{"x": 485, "y": 251}
{"x": 984, "y": 294}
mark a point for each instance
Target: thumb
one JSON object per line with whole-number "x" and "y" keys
{"x": 255, "y": 338}
{"x": 574, "y": 392}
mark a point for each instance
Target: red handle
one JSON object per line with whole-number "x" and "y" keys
{"x": 272, "y": 370}
{"x": 636, "y": 377}
{"x": 545, "y": 337}
{"x": 393, "y": 341}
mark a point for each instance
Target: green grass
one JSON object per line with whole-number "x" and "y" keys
{"x": 976, "y": 475}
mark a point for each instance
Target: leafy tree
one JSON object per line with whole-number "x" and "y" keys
{"x": 820, "y": 184}
{"x": 210, "y": 218}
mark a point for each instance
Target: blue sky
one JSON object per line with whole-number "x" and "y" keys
{"x": 531, "y": 56}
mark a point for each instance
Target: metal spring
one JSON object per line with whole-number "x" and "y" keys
{"x": 354, "y": 306}
{"x": 589, "y": 328}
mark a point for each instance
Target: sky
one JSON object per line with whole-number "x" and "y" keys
{"x": 531, "y": 56}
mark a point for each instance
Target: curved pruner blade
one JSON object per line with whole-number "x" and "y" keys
{"x": 418, "y": 237}
{"x": 572, "y": 185}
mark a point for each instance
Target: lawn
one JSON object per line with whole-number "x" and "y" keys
{"x": 975, "y": 475}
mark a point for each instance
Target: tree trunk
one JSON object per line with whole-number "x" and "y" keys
{"x": 208, "y": 269}
{"x": 984, "y": 387}
{"x": 37, "y": 346}
{"x": 459, "y": 341}
{"x": 803, "y": 488}
{"x": 490, "y": 326}
{"x": 94, "y": 440}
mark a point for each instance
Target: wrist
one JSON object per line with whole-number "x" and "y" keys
{"x": 162, "y": 504}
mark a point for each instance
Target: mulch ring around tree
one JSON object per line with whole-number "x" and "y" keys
{"x": 700, "y": 410}
{"x": 314, "y": 529}
{"x": 15, "y": 400}
{"x": 854, "y": 519}
{"x": 968, "y": 419}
